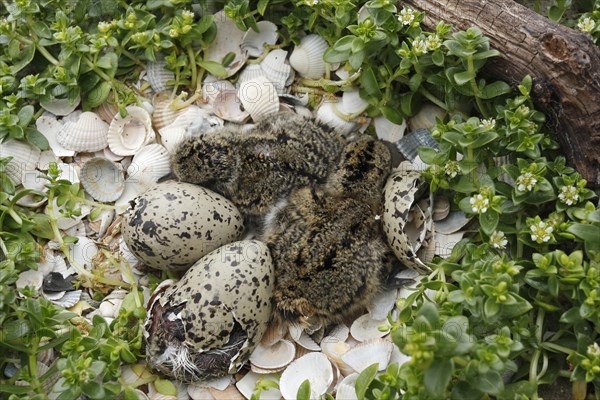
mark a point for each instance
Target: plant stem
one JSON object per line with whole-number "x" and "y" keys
{"x": 32, "y": 364}
{"x": 474, "y": 88}
{"x": 192, "y": 59}
{"x": 322, "y": 83}
{"x": 539, "y": 325}
{"x": 557, "y": 348}
{"x": 429, "y": 96}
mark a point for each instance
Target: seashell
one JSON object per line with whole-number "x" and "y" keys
{"x": 103, "y": 179}
{"x": 132, "y": 374}
{"x": 307, "y": 57}
{"x": 382, "y": 304}
{"x": 158, "y": 76}
{"x": 199, "y": 392}
{"x": 387, "y": 130}
{"x": 150, "y": 164}
{"x": 441, "y": 208}
{"x": 327, "y": 113}
{"x": 24, "y": 159}
{"x": 83, "y": 252}
{"x": 33, "y": 180}
{"x": 60, "y": 107}
{"x": 274, "y": 357}
{"x": 52, "y": 262}
{"x": 68, "y": 172}
{"x": 132, "y": 190}
{"x": 227, "y": 106}
{"x": 77, "y": 230}
{"x": 275, "y": 332}
{"x": 228, "y": 40}
{"x": 340, "y": 331}
{"x": 88, "y": 133}
{"x": 212, "y": 86}
{"x": 259, "y": 97}
{"x": 455, "y": 221}
{"x": 46, "y": 157}
{"x": 277, "y": 70}
{"x": 109, "y": 155}
{"x": 164, "y": 114}
{"x": 229, "y": 393}
{"x": 249, "y": 73}
{"x": 217, "y": 383}
{"x": 126, "y": 254}
{"x": 253, "y": 42}
{"x": 368, "y": 353}
{"x": 154, "y": 394}
{"x": 425, "y": 117}
{"x": 49, "y": 126}
{"x": 345, "y": 389}
{"x": 127, "y": 135}
{"x": 366, "y": 328}
{"x": 56, "y": 282}
{"x": 428, "y": 248}
{"x": 69, "y": 299}
{"x": 415, "y": 228}
{"x": 101, "y": 224}
{"x": 444, "y": 243}
{"x": 247, "y": 385}
{"x": 313, "y": 366}
{"x": 352, "y": 103}
{"x": 107, "y": 111}
{"x": 30, "y": 278}
{"x": 302, "y": 338}
{"x": 334, "y": 348}
{"x": 192, "y": 119}
{"x": 409, "y": 145}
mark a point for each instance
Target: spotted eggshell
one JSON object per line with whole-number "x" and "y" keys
{"x": 226, "y": 292}
{"x": 174, "y": 224}
{"x": 402, "y": 186}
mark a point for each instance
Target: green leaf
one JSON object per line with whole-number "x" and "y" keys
{"x": 334, "y": 56}
{"x": 13, "y": 389}
{"x": 490, "y": 382}
{"x": 42, "y": 226}
{"x": 364, "y": 380}
{"x": 489, "y": 221}
{"x": 392, "y": 115}
{"x": 26, "y": 115}
{"x": 486, "y": 54}
{"x": 13, "y": 330}
{"x": 261, "y": 7}
{"x": 525, "y": 86}
{"x": 490, "y": 308}
{"x": 41, "y": 29}
{"x": 35, "y": 138}
{"x": 438, "y": 58}
{"x": 495, "y": 89}
{"x": 483, "y": 139}
{"x": 344, "y": 44}
{"x": 369, "y": 83}
{"x": 463, "y": 77}
{"x": 588, "y": 233}
{"x": 97, "y": 95}
{"x": 304, "y": 391}
{"x": 214, "y": 68}
{"x": 555, "y": 13}
{"x": 437, "y": 377}
{"x": 166, "y": 387}
{"x": 457, "y": 49}
{"x": 24, "y": 58}
{"x": 108, "y": 61}
{"x": 93, "y": 390}
{"x": 356, "y": 59}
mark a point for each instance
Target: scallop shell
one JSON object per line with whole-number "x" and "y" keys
{"x": 69, "y": 299}
{"x": 441, "y": 208}
{"x": 49, "y": 126}
{"x": 307, "y": 57}
{"x": 253, "y": 42}
{"x": 126, "y": 136}
{"x": 30, "y": 278}
{"x": 352, "y": 103}
{"x": 24, "y": 159}
{"x": 274, "y": 357}
{"x": 301, "y": 337}
{"x": 88, "y": 133}
{"x": 107, "y": 111}
{"x": 60, "y": 107}
{"x": 313, "y": 366}
{"x": 227, "y": 106}
{"x": 46, "y": 157}
{"x": 275, "y": 332}
{"x": 334, "y": 348}
{"x": 425, "y": 117}
{"x": 229, "y": 393}
{"x": 150, "y": 164}
{"x": 444, "y": 243}
{"x": 368, "y": 353}
{"x": 247, "y": 384}
{"x": 228, "y": 40}
{"x": 345, "y": 389}
{"x": 277, "y": 70}
{"x": 366, "y": 328}
{"x": 249, "y": 73}
{"x": 387, "y": 130}
{"x": 454, "y": 221}
{"x": 158, "y": 76}
{"x": 164, "y": 114}
{"x": 327, "y": 113}
{"x": 199, "y": 392}
{"x": 212, "y": 87}
{"x": 68, "y": 172}
{"x": 103, "y": 179}
{"x": 192, "y": 119}
{"x": 259, "y": 97}
{"x": 382, "y": 304}
{"x": 132, "y": 190}
{"x": 409, "y": 144}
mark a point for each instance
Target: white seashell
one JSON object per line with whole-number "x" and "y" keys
{"x": 132, "y": 190}
{"x": 163, "y": 113}
{"x": 101, "y": 224}
{"x": 229, "y": 393}
{"x": 60, "y": 107}
{"x": 307, "y": 57}
{"x": 313, "y": 366}
{"x": 68, "y": 172}
{"x": 77, "y": 230}
{"x": 366, "y": 328}
{"x": 368, "y": 353}
{"x": 277, "y": 70}
{"x": 49, "y": 126}
{"x": 327, "y": 113}
{"x": 212, "y": 86}
{"x": 69, "y": 299}
{"x": 275, "y": 332}
{"x": 274, "y": 357}
{"x": 228, "y": 40}
{"x": 425, "y": 117}
{"x": 150, "y": 164}
{"x": 109, "y": 155}
{"x": 259, "y": 97}
{"x": 340, "y": 331}
{"x": 253, "y": 42}
{"x": 249, "y": 73}
{"x": 382, "y": 304}
{"x": 46, "y": 157}
{"x": 199, "y": 392}
{"x": 126, "y": 136}
{"x": 182, "y": 390}
{"x": 88, "y": 133}
{"x": 192, "y": 119}
{"x": 441, "y": 208}
{"x": 30, "y": 278}
{"x": 217, "y": 383}
{"x": 387, "y": 130}
{"x": 33, "y": 180}
{"x": 107, "y": 111}
{"x": 345, "y": 389}
{"x": 334, "y": 348}
{"x": 302, "y": 338}
{"x": 83, "y": 252}
{"x": 455, "y": 221}
{"x": 352, "y": 103}
{"x": 444, "y": 243}
{"x": 24, "y": 158}
{"x": 158, "y": 76}
{"x": 103, "y": 179}
{"x": 227, "y": 106}
{"x": 247, "y": 384}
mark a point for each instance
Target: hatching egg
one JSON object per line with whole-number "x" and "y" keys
{"x": 208, "y": 323}
{"x": 174, "y": 224}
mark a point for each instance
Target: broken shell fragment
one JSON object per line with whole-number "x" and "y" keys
{"x": 259, "y": 97}
{"x": 158, "y": 76}
{"x": 274, "y": 357}
{"x": 150, "y": 164}
{"x": 307, "y": 57}
{"x": 88, "y": 133}
{"x": 49, "y": 126}
{"x": 228, "y": 40}
{"x": 126, "y": 136}
{"x": 313, "y": 366}
{"x": 103, "y": 179}
{"x": 247, "y": 386}
{"x": 425, "y": 117}
{"x": 277, "y": 70}
{"x": 253, "y": 42}
{"x": 387, "y": 130}
{"x": 328, "y": 114}
{"x": 24, "y": 159}
{"x": 366, "y": 328}
{"x": 60, "y": 107}
{"x": 365, "y": 354}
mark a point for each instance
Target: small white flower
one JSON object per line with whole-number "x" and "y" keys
{"x": 104, "y": 26}
{"x": 188, "y": 15}
{"x": 452, "y": 169}
{"x": 419, "y": 46}
{"x": 593, "y": 350}
{"x": 498, "y": 240}
{"x": 488, "y": 123}
{"x": 407, "y": 16}
{"x": 568, "y": 195}
{"x": 433, "y": 42}
{"x": 541, "y": 232}
{"x": 526, "y": 182}
{"x": 479, "y": 204}
{"x": 586, "y": 25}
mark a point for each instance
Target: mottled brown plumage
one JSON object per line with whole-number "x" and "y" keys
{"x": 255, "y": 169}
{"x": 329, "y": 254}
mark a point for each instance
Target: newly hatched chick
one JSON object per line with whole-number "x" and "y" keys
{"x": 253, "y": 170}
{"x": 326, "y": 242}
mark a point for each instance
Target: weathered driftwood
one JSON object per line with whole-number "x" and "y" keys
{"x": 564, "y": 63}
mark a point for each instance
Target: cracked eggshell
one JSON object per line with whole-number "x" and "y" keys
{"x": 174, "y": 224}
{"x": 208, "y": 323}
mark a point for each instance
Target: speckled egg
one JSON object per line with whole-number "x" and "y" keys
{"x": 402, "y": 187}
{"x": 208, "y": 323}
{"x": 174, "y": 224}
